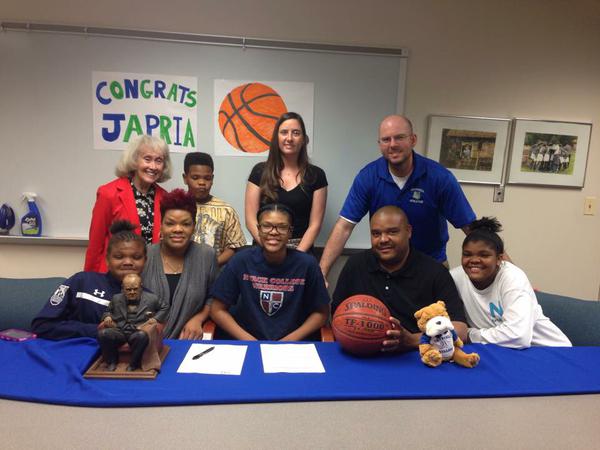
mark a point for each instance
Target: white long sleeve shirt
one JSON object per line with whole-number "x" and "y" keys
{"x": 507, "y": 312}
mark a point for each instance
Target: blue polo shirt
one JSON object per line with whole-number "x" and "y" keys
{"x": 430, "y": 197}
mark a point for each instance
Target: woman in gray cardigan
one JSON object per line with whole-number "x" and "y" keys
{"x": 180, "y": 270}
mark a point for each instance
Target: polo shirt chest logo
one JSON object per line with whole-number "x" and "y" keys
{"x": 271, "y": 301}
{"x": 416, "y": 195}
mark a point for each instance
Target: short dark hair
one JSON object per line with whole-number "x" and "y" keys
{"x": 486, "y": 230}
{"x": 178, "y": 199}
{"x": 392, "y": 209}
{"x": 197, "y": 159}
{"x": 275, "y": 207}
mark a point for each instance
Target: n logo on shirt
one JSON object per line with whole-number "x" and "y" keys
{"x": 271, "y": 301}
{"x": 496, "y": 311}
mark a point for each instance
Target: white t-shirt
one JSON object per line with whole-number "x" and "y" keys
{"x": 506, "y": 312}
{"x": 400, "y": 181}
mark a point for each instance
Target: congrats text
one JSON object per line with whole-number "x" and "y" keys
{"x": 127, "y": 105}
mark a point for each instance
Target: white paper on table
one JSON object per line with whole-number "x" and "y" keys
{"x": 223, "y": 360}
{"x": 291, "y": 358}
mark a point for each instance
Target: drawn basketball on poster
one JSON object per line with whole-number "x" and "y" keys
{"x": 248, "y": 114}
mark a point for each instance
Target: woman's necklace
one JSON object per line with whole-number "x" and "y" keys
{"x": 171, "y": 268}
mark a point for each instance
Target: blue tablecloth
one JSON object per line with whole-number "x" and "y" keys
{"x": 51, "y": 372}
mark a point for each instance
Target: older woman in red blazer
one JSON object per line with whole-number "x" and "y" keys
{"x": 134, "y": 196}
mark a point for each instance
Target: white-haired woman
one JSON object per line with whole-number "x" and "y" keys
{"x": 134, "y": 196}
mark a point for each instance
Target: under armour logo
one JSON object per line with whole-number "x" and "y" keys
{"x": 99, "y": 293}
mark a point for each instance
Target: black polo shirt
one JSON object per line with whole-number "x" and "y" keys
{"x": 420, "y": 282}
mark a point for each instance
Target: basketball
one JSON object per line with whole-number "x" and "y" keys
{"x": 360, "y": 324}
{"x": 247, "y": 116}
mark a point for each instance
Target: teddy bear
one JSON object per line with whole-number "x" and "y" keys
{"x": 439, "y": 341}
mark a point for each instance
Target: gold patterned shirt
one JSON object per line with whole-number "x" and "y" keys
{"x": 218, "y": 225}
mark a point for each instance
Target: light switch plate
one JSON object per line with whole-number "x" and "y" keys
{"x": 499, "y": 193}
{"x": 589, "y": 206}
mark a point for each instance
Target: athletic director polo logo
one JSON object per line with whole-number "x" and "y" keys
{"x": 416, "y": 195}
{"x": 271, "y": 301}
{"x": 59, "y": 295}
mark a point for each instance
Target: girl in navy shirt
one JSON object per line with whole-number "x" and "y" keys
{"x": 278, "y": 293}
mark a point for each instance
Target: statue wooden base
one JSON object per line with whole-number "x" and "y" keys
{"x": 98, "y": 368}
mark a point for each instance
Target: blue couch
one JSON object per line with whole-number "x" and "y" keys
{"x": 578, "y": 319}
{"x": 22, "y": 299}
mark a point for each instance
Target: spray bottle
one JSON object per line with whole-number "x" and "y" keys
{"x": 31, "y": 223}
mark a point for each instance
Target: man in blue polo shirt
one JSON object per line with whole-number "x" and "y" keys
{"x": 427, "y": 192}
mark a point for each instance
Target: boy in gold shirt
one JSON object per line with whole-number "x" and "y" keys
{"x": 217, "y": 223}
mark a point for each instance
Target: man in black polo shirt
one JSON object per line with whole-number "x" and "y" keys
{"x": 401, "y": 277}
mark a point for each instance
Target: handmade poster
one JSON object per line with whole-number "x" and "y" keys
{"x": 127, "y": 105}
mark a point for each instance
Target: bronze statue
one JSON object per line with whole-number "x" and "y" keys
{"x": 130, "y": 317}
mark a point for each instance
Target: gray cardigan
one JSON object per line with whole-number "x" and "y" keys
{"x": 191, "y": 294}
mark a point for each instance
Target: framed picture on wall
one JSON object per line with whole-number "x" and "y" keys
{"x": 472, "y": 148}
{"x": 549, "y": 152}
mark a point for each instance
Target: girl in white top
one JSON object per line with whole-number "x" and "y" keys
{"x": 500, "y": 303}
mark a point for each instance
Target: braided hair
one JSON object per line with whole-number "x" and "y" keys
{"x": 124, "y": 231}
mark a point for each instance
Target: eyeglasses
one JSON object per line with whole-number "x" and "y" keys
{"x": 398, "y": 138}
{"x": 268, "y": 227}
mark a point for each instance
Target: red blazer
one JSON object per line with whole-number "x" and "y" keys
{"x": 115, "y": 201}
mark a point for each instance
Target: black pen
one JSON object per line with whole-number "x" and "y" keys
{"x": 203, "y": 352}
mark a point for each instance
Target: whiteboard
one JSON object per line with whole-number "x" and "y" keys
{"x": 46, "y": 116}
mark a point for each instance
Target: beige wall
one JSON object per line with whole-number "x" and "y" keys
{"x": 22, "y": 261}
{"x": 504, "y": 58}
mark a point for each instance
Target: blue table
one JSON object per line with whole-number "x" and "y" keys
{"x": 51, "y": 372}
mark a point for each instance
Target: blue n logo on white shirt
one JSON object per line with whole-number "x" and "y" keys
{"x": 496, "y": 311}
